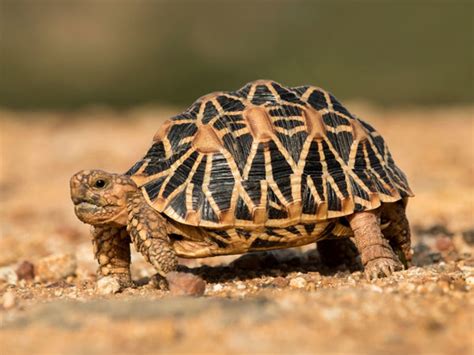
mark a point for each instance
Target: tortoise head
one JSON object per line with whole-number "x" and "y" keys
{"x": 100, "y": 197}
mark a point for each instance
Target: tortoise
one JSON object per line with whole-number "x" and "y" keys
{"x": 264, "y": 167}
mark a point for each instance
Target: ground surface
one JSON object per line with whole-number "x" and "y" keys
{"x": 283, "y": 302}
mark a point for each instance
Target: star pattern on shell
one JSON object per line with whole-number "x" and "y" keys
{"x": 267, "y": 156}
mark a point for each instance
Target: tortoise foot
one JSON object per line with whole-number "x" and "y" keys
{"x": 159, "y": 282}
{"x": 381, "y": 267}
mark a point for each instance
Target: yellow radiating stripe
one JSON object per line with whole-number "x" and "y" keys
{"x": 167, "y": 147}
{"x": 205, "y": 185}
{"x": 307, "y": 93}
{"x": 186, "y": 182}
{"x": 173, "y": 168}
{"x": 240, "y": 132}
{"x": 330, "y": 110}
{"x": 345, "y": 168}
{"x": 313, "y": 190}
{"x": 183, "y": 121}
{"x": 304, "y": 155}
{"x": 248, "y": 164}
{"x": 238, "y": 179}
{"x": 251, "y": 93}
{"x": 187, "y": 139}
{"x": 324, "y": 170}
{"x": 379, "y": 178}
{"x": 200, "y": 114}
{"x": 189, "y": 197}
{"x": 269, "y": 177}
{"x": 386, "y": 167}
{"x": 328, "y": 99}
{"x": 352, "y": 154}
{"x": 284, "y": 152}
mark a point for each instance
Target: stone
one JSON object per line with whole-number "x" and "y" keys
{"x": 25, "y": 271}
{"x": 280, "y": 282}
{"x": 185, "y": 284}
{"x": 108, "y": 286}
{"x": 217, "y": 287}
{"x": 444, "y": 243}
{"x": 9, "y": 300}
{"x": 56, "y": 267}
{"x": 298, "y": 282}
{"x": 8, "y": 275}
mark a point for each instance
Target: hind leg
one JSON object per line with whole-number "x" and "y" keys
{"x": 376, "y": 253}
{"x": 398, "y": 232}
{"x": 336, "y": 251}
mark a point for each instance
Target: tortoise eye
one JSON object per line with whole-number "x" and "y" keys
{"x": 99, "y": 183}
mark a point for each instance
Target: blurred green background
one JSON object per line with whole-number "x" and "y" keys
{"x": 69, "y": 54}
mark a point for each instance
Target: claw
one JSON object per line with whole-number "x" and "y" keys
{"x": 387, "y": 270}
{"x": 382, "y": 267}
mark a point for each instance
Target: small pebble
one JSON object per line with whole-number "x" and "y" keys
{"x": 444, "y": 243}
{"x": 298, "y": 282}
{"x": 25, "y": 271}
{"x": 217, "y": 287}
{"x": 280, "y": 282}
{"x": 9, "y": 300}
{"x": 56, "y": 267}
{"x": 470, "y": 281}
{"x": 108, "y": 285}
{"x": 8, "y": 275}
{"x": 184, "y": 284}
{"x": 375, "y": 288}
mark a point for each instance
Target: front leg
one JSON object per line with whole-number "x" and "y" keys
{"x": 112, "y": 251}
{"x": 376, "y": 254}
{"x": 148, "y": 230}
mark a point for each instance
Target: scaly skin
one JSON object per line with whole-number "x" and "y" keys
{"x": 148, "y": 231}
{"x": 112, "y": 251}
{"x": 376, "y": 253}
{"x": 398, "y": 231}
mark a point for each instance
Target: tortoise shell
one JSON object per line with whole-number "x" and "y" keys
{"x": 267, "y": 156}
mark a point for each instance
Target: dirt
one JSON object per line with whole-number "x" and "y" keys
{"x": 285, "y": 302}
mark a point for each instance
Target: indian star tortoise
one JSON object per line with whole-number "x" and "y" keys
{"x": 264, "y": 167}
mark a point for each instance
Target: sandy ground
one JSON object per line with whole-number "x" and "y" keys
{"x": 284, "y": 302}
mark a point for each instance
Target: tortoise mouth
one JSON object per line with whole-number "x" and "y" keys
{"x": 86, "y": 206}
{"x": 93, "y": 214}
{"x": 89, "y": 212}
